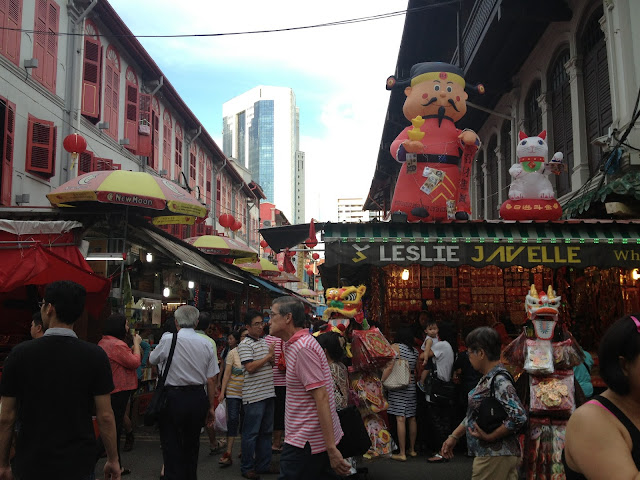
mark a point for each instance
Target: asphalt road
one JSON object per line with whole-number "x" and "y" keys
{"x": 145, "y": 461}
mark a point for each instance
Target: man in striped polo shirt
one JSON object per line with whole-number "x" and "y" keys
{"x": 312, "y": 428}
{"x": 258, "y": 398}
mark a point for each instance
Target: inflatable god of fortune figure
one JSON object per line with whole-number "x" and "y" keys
{"x": 437, "y": 158}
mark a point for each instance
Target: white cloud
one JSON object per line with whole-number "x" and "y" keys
{"x": 350, "y": 63}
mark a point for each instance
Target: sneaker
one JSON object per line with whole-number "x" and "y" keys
{"x": 420, "y": 385}
{"x": 225, "y": 460}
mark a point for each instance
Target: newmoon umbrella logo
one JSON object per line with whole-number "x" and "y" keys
{"x": 87, "y": 179}
{"x": 171, "y": 186}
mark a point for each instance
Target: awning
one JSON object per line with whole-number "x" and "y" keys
{"x": 626, "y": 186}
{"x": 268, "y": 285}
{"x": 191, "y": 259}
{"x": 287, "y": 236}
{"x": 575, "y": 243}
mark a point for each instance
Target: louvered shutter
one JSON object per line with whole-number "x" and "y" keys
{"x": 131, "y": 117}
{"x": 40, "y": 146}
{"x": 144, "y": 126}
{"x": 91, "y": 79}
{"x": 111, "y": 92}
{"x": 115, "y": 105}
{"x": 104, "y": 164}
{"x": 562, "y": 122}
{"x": 192, "y": 168}
{"x": 51, "y": 51}
{"x": 178, "y": 154}
{"x": 11, "y": 19}
{"x": 218, "y": 195}
{"x": 505, "y": 151}
{"x": 7, "y": 152}
{"x": 155, "y": 140}
{"x": 86, "y": 163}
{"x": 40, "y": 40}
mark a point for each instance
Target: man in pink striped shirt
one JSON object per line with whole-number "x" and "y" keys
{"x": 312, "y": 428}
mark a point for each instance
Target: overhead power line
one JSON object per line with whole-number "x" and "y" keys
{"x": 252, "y": 32}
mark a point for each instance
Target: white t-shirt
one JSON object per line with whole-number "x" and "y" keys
{"x": 424, "y": 344}
{"x": 443, "y": 359}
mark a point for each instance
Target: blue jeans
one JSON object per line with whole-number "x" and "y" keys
{"x": 234, "y": 407}
{"x": 297, "y": 463}
{"x": 257, "y": 428}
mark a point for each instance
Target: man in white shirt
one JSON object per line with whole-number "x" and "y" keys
{"x": 193, "y": 366}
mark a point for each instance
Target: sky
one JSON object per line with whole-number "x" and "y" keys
{"x": 337, "y": 74}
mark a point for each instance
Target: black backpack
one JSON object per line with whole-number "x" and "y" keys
{"x": 491, "y": 413}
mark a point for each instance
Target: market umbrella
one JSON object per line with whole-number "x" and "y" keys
{"x": 216, "y": 245}
{"x": 152, "y": 195}
{"x": 307, "y": 292}
{"x": 285, "y": 277}
{"x": 263, "y": 267}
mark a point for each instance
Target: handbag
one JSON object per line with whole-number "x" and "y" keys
{"x": 438, "y": 391}
{"x": 400, "y": 375}
{"x": 356, "y": 440}
{"x": 491, "y": 413}
{"x": 282, "y": 364}
{"x": 159, "y": 398}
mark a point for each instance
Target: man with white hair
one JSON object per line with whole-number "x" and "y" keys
{"x": 193, "y": 366}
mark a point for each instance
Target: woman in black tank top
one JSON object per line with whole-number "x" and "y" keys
{"x": 595, "y": 446}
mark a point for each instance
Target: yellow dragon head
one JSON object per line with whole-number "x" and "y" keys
{"x": 346, "y": 301}
{"x": 542, "y": 305}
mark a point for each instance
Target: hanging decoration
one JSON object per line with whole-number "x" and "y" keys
{"x": 226, "y": 220}
{"x": 433, "y": 183}
{"x": 237, "y": 225}
{"x": 531, "y": 195}
{"x": 315, "y": 256}
{"x": 311, "y": 242}
{"x": 75, "y": 144}
{"x": 263, "y": 243}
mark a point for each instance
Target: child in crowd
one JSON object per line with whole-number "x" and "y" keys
{"x": 432, "y": 338}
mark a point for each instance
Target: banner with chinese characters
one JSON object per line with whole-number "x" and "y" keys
{"x": 479, "y": 255}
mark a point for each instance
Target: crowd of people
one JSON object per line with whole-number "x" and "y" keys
{"x": 283, "y": 389}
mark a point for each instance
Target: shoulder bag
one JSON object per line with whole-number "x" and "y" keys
{"x": 159, "y": 398}
{"x": 438, "y": 391}
{"x": 491, "y": 413}
{"x": 400, "y": 375}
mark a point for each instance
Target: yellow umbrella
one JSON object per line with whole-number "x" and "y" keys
{"x": 263, "y": 267}
{"x": 307, "y": 292}
{"x": 154, "y": 196}
{"x": 217, "y": 245}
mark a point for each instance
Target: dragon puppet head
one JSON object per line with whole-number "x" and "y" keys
{"x": 346, "y": 301}
{"x": 542, "y": 305}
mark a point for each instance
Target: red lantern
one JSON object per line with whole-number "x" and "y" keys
{"x": 311, "y": 242}
{"x": 75, "y": 144}
{"x": 226, "y": 220}
{"x": 264, "y": 244}
{"x": 315, "y": 256}
{"x": 310, "y": 272}
{"x": 237, "y": 225}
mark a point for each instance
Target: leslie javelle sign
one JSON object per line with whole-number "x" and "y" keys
{"x": 481, "y": 255}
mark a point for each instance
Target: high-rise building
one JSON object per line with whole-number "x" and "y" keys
{"x": 350, "y": 210}
{"x": 261, "y": 131}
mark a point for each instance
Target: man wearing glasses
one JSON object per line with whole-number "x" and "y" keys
{"x": 51, "y": 385}
{"x": 258, "y": 398}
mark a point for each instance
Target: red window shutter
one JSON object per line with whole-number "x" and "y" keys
{"x": 112, "y": 91}
{"x": 40, "y": 147}
{"x": 51, "y": 49}
{"x": 192, "y": 169}
{"x": 7, "y": 153}
{"x": 155, "y": 132}
{"x": 116, "y": 166}
{"x": 178, "y": 164}
{"x": 144, "y": 126}
{"x": 103, "y": 164}
{"x": 40, "y": 39}
{"x": 11, "y": 19}
{"x": 131, "y": 117}
{"x": 91, "y": 79}
{"x": 86, "y": 163}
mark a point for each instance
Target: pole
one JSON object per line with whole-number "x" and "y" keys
{"x": 124, "y": 253}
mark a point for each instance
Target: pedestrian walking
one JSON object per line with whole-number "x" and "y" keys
{"x": 50, "y": 385}
{"x": 190, "y": 385}
{"x": 312, "y": 428}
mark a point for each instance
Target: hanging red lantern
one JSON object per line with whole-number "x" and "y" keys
{"x": 311, "y": 242}
{"x": 75, "y": 144}
{"x": 310, "y": 272}
{"x": 264, "y": 244}
{"x": 226, "y": 220}
{"x": 237, "y": 225}
{"x": 315, "y": 256}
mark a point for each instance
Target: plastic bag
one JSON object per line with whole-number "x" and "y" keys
{"x": 220, "y": 423}
{"x": 567, "y": 354}
{"x": 371, "y": 350}
{"x": 555, "y": 393}
{"x": 539, "y": 360}
{"x": 514, "y": 353}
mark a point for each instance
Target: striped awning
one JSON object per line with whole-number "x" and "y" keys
{"x": 481, "y": 231}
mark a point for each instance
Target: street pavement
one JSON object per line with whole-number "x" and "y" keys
{"x": 145, "y": 461}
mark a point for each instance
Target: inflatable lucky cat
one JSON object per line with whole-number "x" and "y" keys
{"x": 531, "y": 195}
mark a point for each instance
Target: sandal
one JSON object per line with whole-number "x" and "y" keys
{"x": 413, "y": 453}
{"x": 399, "y": 458}
{"x": 437, "y": 458}
{"x": 125, "y": 471}
{"x": 225, "y": 460}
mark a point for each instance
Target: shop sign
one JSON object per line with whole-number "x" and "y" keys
{"x": 480, "y": 255}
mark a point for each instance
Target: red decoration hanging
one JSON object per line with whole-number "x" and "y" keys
{"x": 290, "y": 254}
{"x": 226, "y": 220}
{"x": 264, "y": 244}
{"x": 311, "y": 242}
{"x": 281, "y": 268}
{"x": 75, "y": 144}
{"x": 310, "y": 272}
{"x": 315, "y": 256}
{"x": 237, "y": 225}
